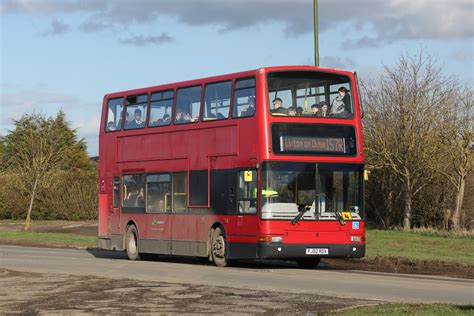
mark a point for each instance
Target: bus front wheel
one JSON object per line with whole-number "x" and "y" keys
{"x": 218, "y": 248}
{"x": 308, "y": 263}
{"x": 131, "y": 242}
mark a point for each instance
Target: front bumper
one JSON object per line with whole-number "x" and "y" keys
{"x": 295, "y": 251}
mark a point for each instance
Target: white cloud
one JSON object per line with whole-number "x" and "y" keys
{"x": 389, "y": 20}
{"x": 140, "y": 40}
{"x": 338, "y": 62}
{"x": 57, "y": 28}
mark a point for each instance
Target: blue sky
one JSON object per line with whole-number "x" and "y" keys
{"x": 66, "y": 54}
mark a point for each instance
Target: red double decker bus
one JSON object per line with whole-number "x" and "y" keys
{"x": 261, "y": 164}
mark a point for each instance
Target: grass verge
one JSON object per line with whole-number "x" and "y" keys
{"x": 419, "y": 245}
{"x": 409, "y": 309}
{"x": 22, "y": 222}
{"x": 47, "y": 239}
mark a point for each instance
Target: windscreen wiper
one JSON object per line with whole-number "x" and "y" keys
{"x": 339, "y": 218}
{"x": 300, "y": 214}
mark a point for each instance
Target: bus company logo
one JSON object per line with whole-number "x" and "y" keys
{"x": 312, "y": 144}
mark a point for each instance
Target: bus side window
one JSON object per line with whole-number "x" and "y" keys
{"x": 133, "y": 191}
{"x": 160, "y": 108}
{"x": 188, "y": 104}
{"x": 244, "y": 98}
{"x": 136, "y": 110}
{"x": 179, "y": 192}
{"x": 217, "y": 101}
{"x": 158, "y": 193}
{"x": 247, "y": 195}
{"x": 116, "y": 192}
{"x": 114, "y": 115}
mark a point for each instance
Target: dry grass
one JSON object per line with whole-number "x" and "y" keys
{"x": 464, "y": 233}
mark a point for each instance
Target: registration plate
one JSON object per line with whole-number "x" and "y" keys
{"x": 317, "y": 251}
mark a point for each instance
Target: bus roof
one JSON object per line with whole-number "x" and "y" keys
{"x": 224, "y": 77}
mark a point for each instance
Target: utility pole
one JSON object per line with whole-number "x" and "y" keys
{"x": 316, "y": 39}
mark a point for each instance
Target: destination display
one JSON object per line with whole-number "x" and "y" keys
{"x": 312, "y": 144}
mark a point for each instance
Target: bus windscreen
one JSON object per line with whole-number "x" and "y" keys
{"x": 310, "y": 94}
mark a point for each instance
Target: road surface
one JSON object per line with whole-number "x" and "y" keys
{"x": 267, "y": 277}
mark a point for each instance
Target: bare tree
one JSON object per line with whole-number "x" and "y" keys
{"x": 458, "y": 135}
{"x": 402, "y": 124}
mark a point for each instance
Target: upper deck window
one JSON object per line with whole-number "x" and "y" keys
{"x": 244, "y": 98}
{"x": 310, "y": 94}
{"x": 188, "y": 103}
{"x": 160, "y": 108}
{"x": 135, "y": 114}
{"x": 114, "y": 115}
{"x": 217, "y": 101}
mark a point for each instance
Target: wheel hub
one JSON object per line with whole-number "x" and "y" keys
{"x": 218, "y": 247}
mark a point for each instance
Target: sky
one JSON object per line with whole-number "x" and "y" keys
{"x": 67, "y": 54}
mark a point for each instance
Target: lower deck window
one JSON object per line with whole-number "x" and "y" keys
{"x": 158, "y": 193}
{"x": 133, "y": 191}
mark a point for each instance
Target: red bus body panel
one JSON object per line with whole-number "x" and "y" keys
{"x": 212, "y": 145}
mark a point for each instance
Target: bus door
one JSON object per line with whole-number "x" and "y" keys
{"x": 247, "y": 202}
{"x": 158, "y": 208}
{"x": 114, "y": 209}
{"x": 180, "y": 221}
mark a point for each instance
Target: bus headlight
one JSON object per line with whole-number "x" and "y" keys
{"x": 277, "y": 239}
{"x": 268, "y": 238}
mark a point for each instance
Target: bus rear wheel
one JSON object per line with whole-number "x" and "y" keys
{"x": 131, "y": 243}
{"x": 218, "y": 248}
{"x": 308, "y": 263}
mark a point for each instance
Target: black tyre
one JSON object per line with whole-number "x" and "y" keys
{"x": 308, "y": 263}
{"x": 219, "y": 248}
{"x": 131, "y": 243}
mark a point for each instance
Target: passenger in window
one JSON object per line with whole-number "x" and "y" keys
{"x": 155, "y": 204}
{"x": 111, "y": 126}
{"x": 250, "y": 109}
{"x": 137, "y": 120}
{"x": 179, "y": 117}
{"x": 278, "y": 107}
{"x": 324, "y": 109}
{"x": 140, "y": 200}
{"x": 315, "y": 110}
{"x": 119, "y": 124}
{"x": 132, "y": 195}
{"x": 292, "y": 111}
{"x": 341, "y": 106}
{"x": 136, "y": 197}
{"x": 220, "y": 116}
{"x": 161, "y": 205}
{"x": 188, "y": 118}
{"x": 299, "y": 111}
{"x": 166, "y": 119}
